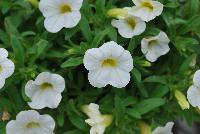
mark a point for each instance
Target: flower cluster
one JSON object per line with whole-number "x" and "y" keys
{"x": 108, "y": 65}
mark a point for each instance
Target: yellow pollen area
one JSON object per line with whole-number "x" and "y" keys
{"x": 46, "y": 86}
{"x": 32, "y": 125}
{"x": 65, "y": 8}
{"x": 131, "y": 22}
{"x": 109, "y": 63}
{"x": 1, "y": 68}
{"x": 153, "y": 43}
{"x": 147, "y": 5}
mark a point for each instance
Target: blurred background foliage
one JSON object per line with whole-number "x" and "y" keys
{"x": 150, "y": 93}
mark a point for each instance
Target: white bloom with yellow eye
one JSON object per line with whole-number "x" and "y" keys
{"x": 167, "y": 129}
{"x": 108, "y": 64}
{"x": 193, "y": 93}
{"x": 147, "y": 9}
{"x": 97, "y": 121}
{"x": 31, "y": 122}
{"x": 154, "y": 47}
{"x": 129, "y": 26}
{"x": 60, "y": 13}
{"x": 7, "y": 67}
{"x": 45, "y": 91}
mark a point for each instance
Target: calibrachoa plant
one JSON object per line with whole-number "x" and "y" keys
{"x": 98, "y": 66}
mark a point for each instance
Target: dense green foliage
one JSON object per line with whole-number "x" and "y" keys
{"x": 150, "y": 93}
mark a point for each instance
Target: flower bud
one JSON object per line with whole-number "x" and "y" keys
{"x": 182, "y": 101}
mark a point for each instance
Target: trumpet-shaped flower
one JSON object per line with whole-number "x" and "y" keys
{"x": 167, "y": 129}
{"x": 60, "y": 13}
{"x": 147, "y": 9}
{"x": 193, "y": 93}
{"x": 154, "y": 47}
{"x": 31, "y": 122}
{"x": 7, "y": 67}
{"x": 129, "y": 26}
{"x": 97, "y": 121}
{"x": 45, "y": 91}
{"x": 108, "y": 64}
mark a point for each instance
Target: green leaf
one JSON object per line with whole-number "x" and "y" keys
{"x": 85, "y": 28}
{"x": 18, "y": 50}
{"x": 148, "y": 105}
{"x": 60, "y": 119}
{"x": 73, "y": 132}
{"x": 136, "y": 74}
{"x": 133, "y": 113}
{"x": 77, "y": 121}
{"x": 98, "y": 38}
{"x": 156, "y": 79}
{"x": 72, "y": 62}
{"x": 191, "y": 25}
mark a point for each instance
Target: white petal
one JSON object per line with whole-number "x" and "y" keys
{"x": 3, "y": 53}
{"x": 99, "y": 78}
{"x": 126, "y": 61}
{"x": 25, "y": 117}
{"x": 158, "y": 8}
{"x": 71, "y": 19}
{"x": 119, "y": 78}
{"x": 2, "y": 82}
{"x": 14, "y": 128}
{"x": 54, "y": 23}
{"x": 137, "y": 2}
{"x": 47, "y": 123}
{"x": 8, "y": 68}
{"x": 193, "y": 96}
{"x": 92, "y": 110}
{"x": 111, "y": 49}
{"x": 31, "y": 88}
{"x": 163, "y": 37}
{"x": 196, "y": 78}
{"x": 49, "y": 7}
{"x": 142, "y": 13}
{"x": 123, "y": 28}
{"x": 58, "y": 82}
{"x": 74, "y": 4}
{"x": 99, "y": 129}
{"x": 167, "y": 129}
{"x": 41, "y": 99}
{"x": 42, "y": 78}
{"x": 92, "y": 59}
{"x": 140, "y": 26}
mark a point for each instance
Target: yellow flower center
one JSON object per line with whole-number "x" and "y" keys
{"x": 32, "y": 125}
{"x": 153, "y": 43}
{"x": 65, "y": 8}
{"x": 109, "y": 63}
{"x": 131, "y": 22}
{"x": 148, "y": 5}
{"x": 46, "y": 86}
{"x": 1, "y": 68}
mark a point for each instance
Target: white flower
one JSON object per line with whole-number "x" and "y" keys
{"x": 129, "y": 26}
{"x": 154, "y": 47}
{"x": 60, "y": 13}
{"x": 45, "y": 91}
{"x": 167, "y": 129}
{"x": 193, "y": 93}
{"x": 97, "y": 121}
{"x": 108, "y": 64}
{"x": 7, "y": 67}
{"x": 147, "y": 9}
{"x": 31, "y": 122}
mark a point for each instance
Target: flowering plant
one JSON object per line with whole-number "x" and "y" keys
{"x": 98, "y": 66}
